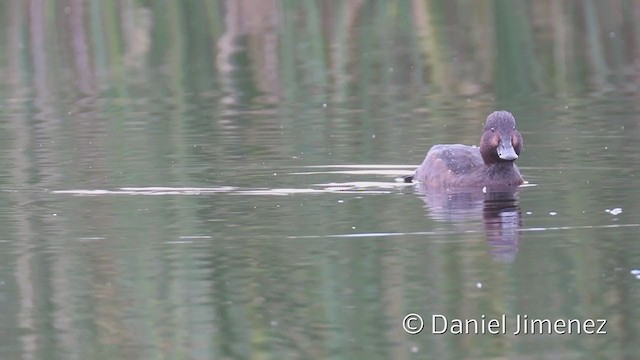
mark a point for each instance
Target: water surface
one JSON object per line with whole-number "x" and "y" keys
{"x": 219, "y": 180}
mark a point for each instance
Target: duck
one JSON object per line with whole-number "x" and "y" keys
{"x": 492, "y": 163}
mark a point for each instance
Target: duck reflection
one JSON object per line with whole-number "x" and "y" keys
{"x": 497, "y": 207}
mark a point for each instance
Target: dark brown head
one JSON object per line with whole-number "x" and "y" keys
{"x": 500, "y": 141}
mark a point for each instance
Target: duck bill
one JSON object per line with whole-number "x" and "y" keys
{"x": 506, "y": 151}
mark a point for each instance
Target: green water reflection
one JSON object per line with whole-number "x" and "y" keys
{"x": 215, "y": 179}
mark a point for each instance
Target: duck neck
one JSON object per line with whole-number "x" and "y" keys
{"x": 500, "y": 168}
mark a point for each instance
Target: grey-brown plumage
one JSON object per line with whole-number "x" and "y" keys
{"x": 490, "y": 164}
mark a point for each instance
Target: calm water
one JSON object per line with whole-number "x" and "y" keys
{"x": 217, "y": 181}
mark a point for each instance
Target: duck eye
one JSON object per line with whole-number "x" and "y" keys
{"x": 493, "y": 130}
{"x": 514, "y": 128}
